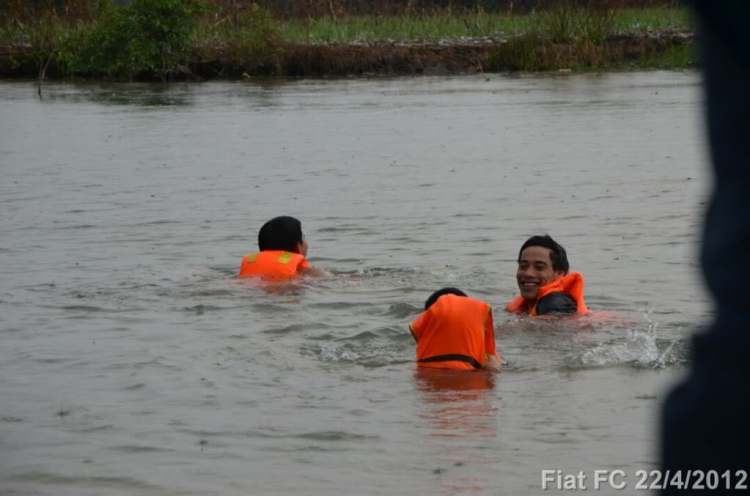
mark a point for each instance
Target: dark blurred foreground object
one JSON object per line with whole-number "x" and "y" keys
{"x": 706, "y": 419}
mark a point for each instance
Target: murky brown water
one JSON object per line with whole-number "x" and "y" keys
{"x": 133, "y": 363}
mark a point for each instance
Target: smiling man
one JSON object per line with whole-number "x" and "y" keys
{"x": 547, "y": 287}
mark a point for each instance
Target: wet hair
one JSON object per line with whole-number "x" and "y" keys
{"x": 440, "y": 292}
{"x": 557, "y": 253}
{"x": 282, "y": 233}
{"x": 557, "y": 303}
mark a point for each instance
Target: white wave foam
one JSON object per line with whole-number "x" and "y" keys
{"x": 332, "y": 353}
{"x": 640, "y": 348}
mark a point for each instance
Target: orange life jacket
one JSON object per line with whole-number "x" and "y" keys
{"x": 454, "y": 333}
{"x": 273, "y": 265}
{"x": 571, "y": 283}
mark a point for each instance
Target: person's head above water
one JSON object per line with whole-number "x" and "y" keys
{"x": 284, "y": 234}
{"x": 541, "y": 260}
{"x": 440, "y": 292}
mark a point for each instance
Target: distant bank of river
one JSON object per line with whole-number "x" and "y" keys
{"x": 138, "y": 44}
{"x": 444, "y": 57}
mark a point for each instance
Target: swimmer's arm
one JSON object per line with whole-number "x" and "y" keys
{"x": 493, "y": 362}
{"x": 314, "y": 272}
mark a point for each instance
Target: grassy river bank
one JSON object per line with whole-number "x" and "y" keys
{"x": 196, "y": 39}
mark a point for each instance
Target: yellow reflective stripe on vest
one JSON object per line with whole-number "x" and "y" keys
{"x": 285, "y": 258}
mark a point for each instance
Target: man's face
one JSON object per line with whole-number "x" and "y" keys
{"x": 535, "y": 270}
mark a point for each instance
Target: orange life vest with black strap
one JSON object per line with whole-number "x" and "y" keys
{"x": 454, "y": 333}
{"x": 273, "y": 265}
{"x": 571, "y": 283}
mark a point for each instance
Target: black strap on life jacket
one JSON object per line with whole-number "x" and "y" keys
{"x": 452, "y": 358}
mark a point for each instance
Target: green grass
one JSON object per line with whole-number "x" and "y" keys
{"x": 406, "y": 28}
{"x": 370, "y": 29}
{"x": 655, "y": 19}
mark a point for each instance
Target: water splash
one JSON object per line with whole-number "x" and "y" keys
{"x": 641, "y": 348}
{"x": 366, "y": 356}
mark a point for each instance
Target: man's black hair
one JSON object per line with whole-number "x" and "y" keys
{"x": 440, "y": 292}
{"x": 282, "y": 233}
{"x": 557, "y": 253}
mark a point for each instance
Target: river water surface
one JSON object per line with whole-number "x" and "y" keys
{"x": 134, "y": 363}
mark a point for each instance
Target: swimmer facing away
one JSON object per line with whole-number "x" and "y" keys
{"x": 455, "y": 332}
{"x": 547, "y": 286}
{"x": 283, "y": 248}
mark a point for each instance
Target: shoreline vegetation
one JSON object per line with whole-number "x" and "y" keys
{"x": 167, "y": 40}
